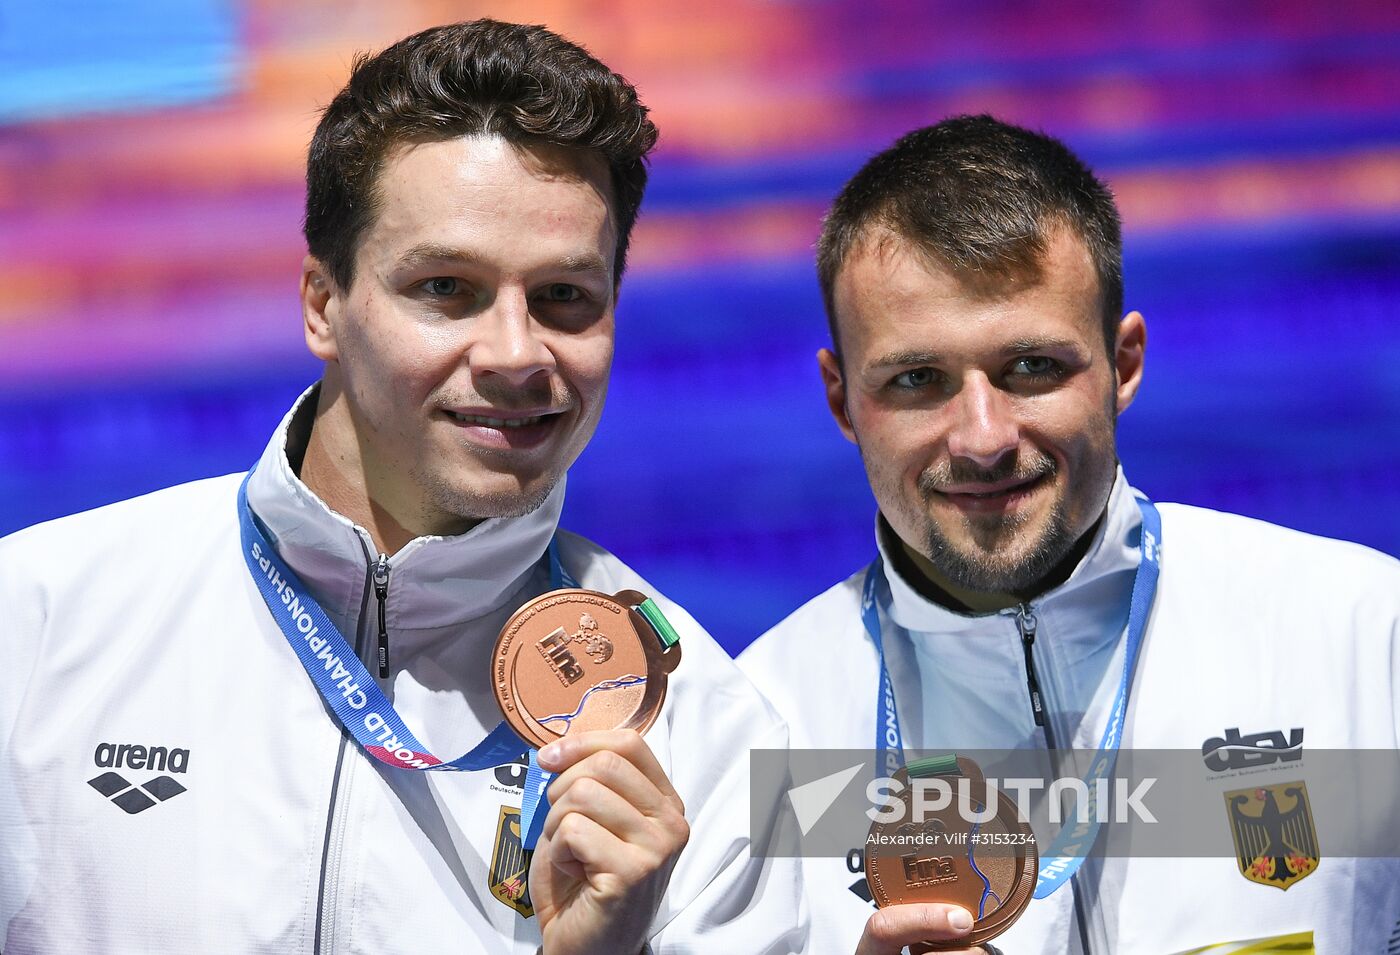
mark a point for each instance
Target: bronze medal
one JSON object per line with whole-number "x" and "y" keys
{"x": 989, "y": 868}
{"x": 570, "y": 661}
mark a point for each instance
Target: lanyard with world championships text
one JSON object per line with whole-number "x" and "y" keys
{"x": 353, "y": 695}
{"x": 1068, "y": 849}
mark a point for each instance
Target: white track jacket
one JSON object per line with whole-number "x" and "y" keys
{"x": 1254, "y": 628}
{"x": 170, "y": 781}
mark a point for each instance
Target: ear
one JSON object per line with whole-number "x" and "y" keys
{"x": 835, "y": 384}
{"x": 1128, "y": 351}
{"x": 320, "y": 309}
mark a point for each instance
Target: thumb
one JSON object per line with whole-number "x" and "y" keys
{"x": 895, "y": 926}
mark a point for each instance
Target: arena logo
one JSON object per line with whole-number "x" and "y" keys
{"x": 1235, "y": 752}
{"x": 128, "y": 796}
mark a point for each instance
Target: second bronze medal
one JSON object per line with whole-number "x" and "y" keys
{"x": 987, "y": 867}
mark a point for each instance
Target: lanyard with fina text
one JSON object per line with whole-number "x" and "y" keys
{"x": 354, "y": 696}
{"x": 1068, "y": 849}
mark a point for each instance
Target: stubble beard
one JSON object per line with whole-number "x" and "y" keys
{"x": 990, "y": 565}
{"x": 474, "y": 505}
{"x": 992, "y": 556}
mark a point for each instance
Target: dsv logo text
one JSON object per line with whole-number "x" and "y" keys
{"x": 1233, "y": 751}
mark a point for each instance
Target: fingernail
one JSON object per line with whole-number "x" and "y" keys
{"x": 960, "y": 920}
{"x": 549, "y": 754}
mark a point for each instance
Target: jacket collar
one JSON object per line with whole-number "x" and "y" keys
{"x": 434, "y": 581}
{"x": 1085, "y": 608}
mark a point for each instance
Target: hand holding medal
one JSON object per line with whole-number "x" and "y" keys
{"x": 986, "y": 866}
{"x": 1066, "y": 851}
{"x": 582, "y": 675}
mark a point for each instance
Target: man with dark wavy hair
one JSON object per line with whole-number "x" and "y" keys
{"x": 470, "y": 195}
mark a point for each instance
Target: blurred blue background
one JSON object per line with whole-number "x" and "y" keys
{"x": 150, "y": 199}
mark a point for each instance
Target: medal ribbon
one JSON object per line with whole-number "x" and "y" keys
{"x": 1069, "y": 848}
{"x": 353, "y": 695}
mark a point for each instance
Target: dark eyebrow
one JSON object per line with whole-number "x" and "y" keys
{"x": 431, "y": 253}
{"x": 905, "y": 358}
{"x": 586, "y": 262}
{"x": 1022, "y": 346}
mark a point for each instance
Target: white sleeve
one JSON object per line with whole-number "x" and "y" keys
{"x": 735, "y": 903}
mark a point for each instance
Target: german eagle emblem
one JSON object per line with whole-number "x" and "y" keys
{"x": 509, "y": 875}
{"x": 1275, "y": 839}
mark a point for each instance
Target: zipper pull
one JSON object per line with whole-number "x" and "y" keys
{"x": 1026, "y": 623}
{"x": 381, "y": 593}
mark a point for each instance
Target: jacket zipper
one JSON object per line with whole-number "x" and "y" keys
{"x": 326, "y": 903}
{"x": 381, "y": 594}
{"x": 1026, "y": 623}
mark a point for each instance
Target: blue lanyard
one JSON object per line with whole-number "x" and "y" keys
{"x": 353, "y": 695}
{"x": 1067, "y": 851}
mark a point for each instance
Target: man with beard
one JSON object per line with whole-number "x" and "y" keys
{"x": 209, "y": 696}
{"x": 980, "y": 359}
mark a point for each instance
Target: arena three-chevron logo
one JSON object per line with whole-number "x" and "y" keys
{"x": 127, "y": 795}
